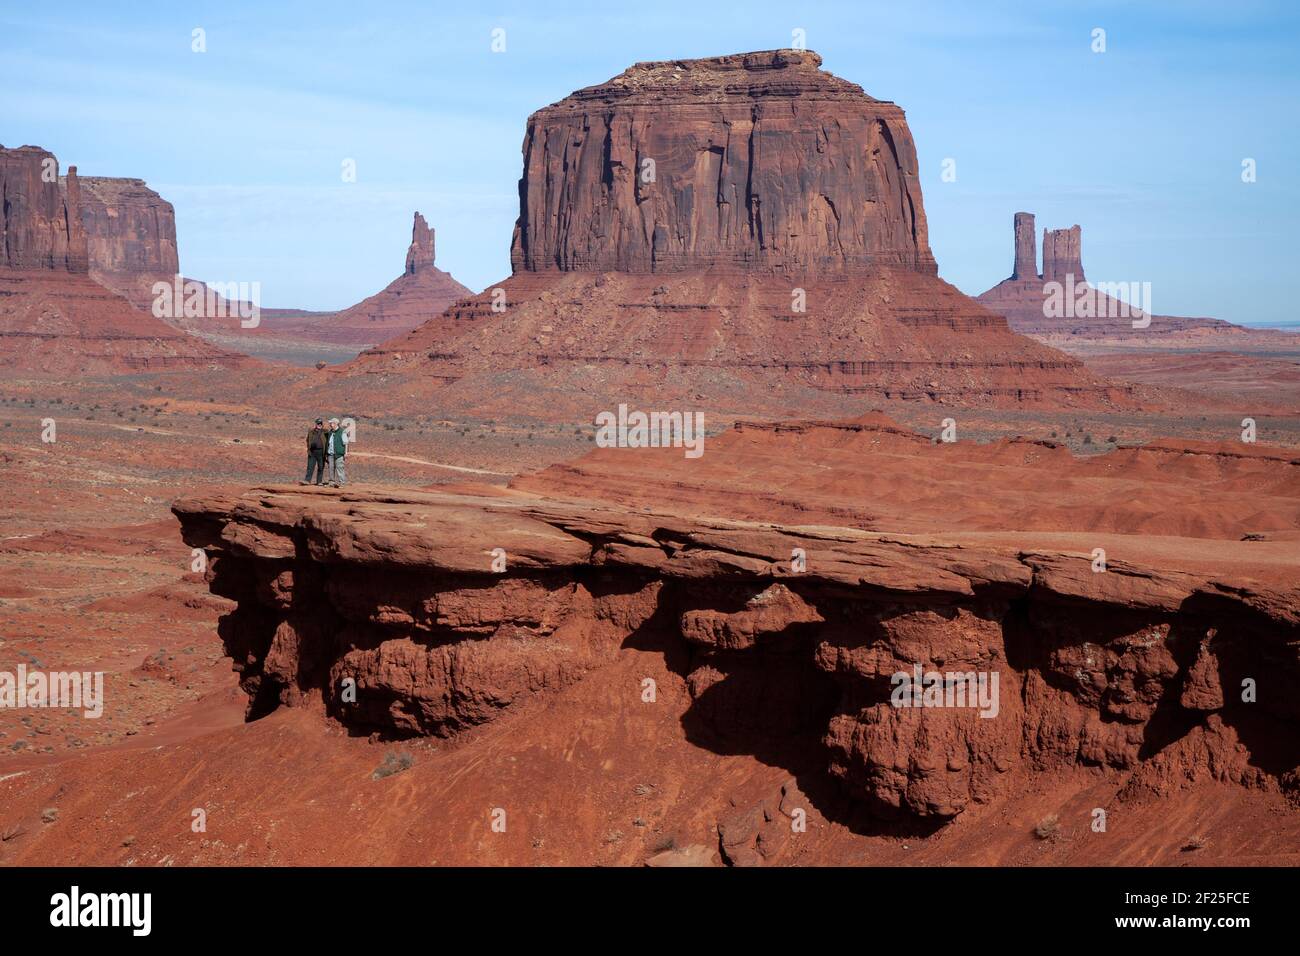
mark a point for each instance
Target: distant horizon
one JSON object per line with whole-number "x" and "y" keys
{"x": 1142, "y": 145}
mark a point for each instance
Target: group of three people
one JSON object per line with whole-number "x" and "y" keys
{"x": 327, "y": 447}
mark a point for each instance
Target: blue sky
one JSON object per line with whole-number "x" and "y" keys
{"x": 1142, "y": 145}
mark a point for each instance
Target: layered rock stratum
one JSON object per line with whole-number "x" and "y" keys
{"x": 732, "y": 232}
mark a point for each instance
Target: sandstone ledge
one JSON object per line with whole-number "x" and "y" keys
{"x": 1136, "y": 671}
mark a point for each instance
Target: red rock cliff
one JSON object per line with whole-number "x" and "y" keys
{"x": 41, "y": 224}
{"x": 720, "y": 232}
{"x": 130, "y": 235}
{"x": 750, "y": 162}
{"x": 129, "y": 227}
{"x": 1062, "y": 254}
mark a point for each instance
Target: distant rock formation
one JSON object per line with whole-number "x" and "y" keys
{"x": 54, "y": 318}
{"x": 1059, "y": 305}
{"x": 726, "y": 233}
{"x": 752, "y": 162}
{"x": 130, "y": 235}
{"x": 129, "y": 227}
{"x": 420, "y": 255}
{"x": 419, "y": 294}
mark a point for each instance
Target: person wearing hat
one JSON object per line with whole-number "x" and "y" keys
{"x": 335, "y": 451}
{"x": 317, "y": 438}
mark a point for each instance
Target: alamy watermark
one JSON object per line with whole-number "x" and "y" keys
{"x": 922, "y": 688}
{"x": 63, "y": 690}
{"x": 190, "y": 299}
{"x": 637, "y": 429}
{"x": 132, "y": 911}
{"x": 1098, "y": 300}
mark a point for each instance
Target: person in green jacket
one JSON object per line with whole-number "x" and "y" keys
{"x": 336, "y": 453}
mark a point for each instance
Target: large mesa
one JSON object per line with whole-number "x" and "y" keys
{"x": 750, "y": 162}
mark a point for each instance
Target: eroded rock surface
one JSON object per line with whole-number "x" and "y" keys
{"x": 751, "y": 162}
{"x": 130, "y": 236}
{"x": 1062, "y": 254}
{"x": 41, "y": 225}
{"x": 384, "y": 611}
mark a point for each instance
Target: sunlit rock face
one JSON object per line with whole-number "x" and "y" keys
{"x": 757, "y": 162}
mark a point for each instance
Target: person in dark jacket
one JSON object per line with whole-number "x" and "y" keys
{"x": 316, "y": 439}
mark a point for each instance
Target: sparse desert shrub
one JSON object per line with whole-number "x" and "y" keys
{"x": 393, "y": 763}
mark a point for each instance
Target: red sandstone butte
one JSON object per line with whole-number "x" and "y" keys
{"x": 739, "y": 232}
{"x": 131, "y": 245}
{"x": 1062, "y": 255}
{"x": 1026, "y": 266}
{"x": 53, "y": 317}
{"x": 754, "y": 162}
